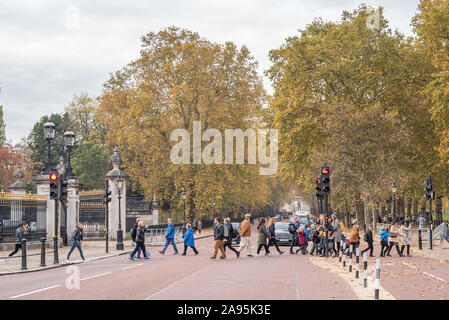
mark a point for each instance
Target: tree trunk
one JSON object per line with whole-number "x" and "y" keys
{"x": 409, "y": 207}
{"x": 439, "y": 210}
{"x": 415, "y": 208}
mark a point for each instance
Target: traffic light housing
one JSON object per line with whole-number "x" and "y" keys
{"x": 430, "y": 195}
{"x": 63, "y": 184}
{"x": 107, "y": 196}
{"x": 54, "y": 186}
{"x": 325, "y": 179}
{"x": 319, "y": 188}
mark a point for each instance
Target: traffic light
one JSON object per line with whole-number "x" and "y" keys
{"x": 107, "y": 196}
{"x": 54, "y": 186}
{"x": 325, "y": 179}
{"x": 62, "y": 192}
{"x": 430, "y": 195}
{"x": 319, "y": 188}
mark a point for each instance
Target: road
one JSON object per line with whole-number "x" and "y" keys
{"x": 274, "y": 277}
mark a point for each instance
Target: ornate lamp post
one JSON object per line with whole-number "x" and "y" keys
{"x": 49, "y": 134}
{"x": 69, "y": 142}
{"x": 119, "y": 187}
{"x": 184, "y": 196}
{"x": 394, "y": 189}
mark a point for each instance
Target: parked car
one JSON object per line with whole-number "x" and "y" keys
{"x": 236, "y": 240}
{"x": 283, "y": 237}
{"x": 278, "y": 217}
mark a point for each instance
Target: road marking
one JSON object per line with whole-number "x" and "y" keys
{"x": 98, "y": 275}
{"x": 409, "y": 265}
{"x": 36, "y": 291}
{"x": 171, "y": 285}
{"x": 431, "y": 275}
{"x": 130, "y": 267}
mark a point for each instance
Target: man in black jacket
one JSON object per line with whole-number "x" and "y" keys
{"x": 19, "y": 237}
{"x": 77, "y": 236}
{"x": 295, "y": 237}
{"x": 218, "y": 237}
{"x": 227, "y": 242}
{"x": 369, "y": 240}
{"x": 133, "y": 237}
{"x": 140, "y": 242}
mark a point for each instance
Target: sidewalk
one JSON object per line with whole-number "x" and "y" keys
{"x": 92, "y": 250}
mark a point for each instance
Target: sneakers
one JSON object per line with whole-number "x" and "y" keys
{"x": 131, "y": 259}
{"x": 162, "y": 252}
{"x": 250, "y": 255}
{"x": 196, "y": 253}
{"x": 213, "y": 258}
{"x": 146, "y": 258}
{"x": 238, "y": 254}
{"x": 84, "y": 261}
{"x": 183, "y": 254}
{"x": 222, "y": 258}
{"x": 68, "y": 261}
{"x": 281, "y": 252}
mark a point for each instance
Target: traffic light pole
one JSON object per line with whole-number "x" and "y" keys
{"x": 107, "y": 216}
{"x": 325, "y": 226}
{"x": 430, "y": 219}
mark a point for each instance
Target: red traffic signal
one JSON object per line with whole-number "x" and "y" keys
{"x": 325, "y": 171}
{"x": 53, "y": 177}
{"x": 318, "y": 181}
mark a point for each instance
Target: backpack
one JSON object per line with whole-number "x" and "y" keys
{"x": 291, "y": 228}
{"x": 134, "y": 232}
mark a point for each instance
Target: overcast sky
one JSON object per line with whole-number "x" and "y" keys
{"x": 50, "y": 50}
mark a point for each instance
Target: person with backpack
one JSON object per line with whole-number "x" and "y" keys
{"x": 189, "y": 240}
{"x": 368, "y": 237}
{"x": 218, "y": 237}
{"x": 272, "y": 231}
{"x": 170, "y": 238}
{"x": 263, "y": 237}
{"x": 133, "y": 237}
{"x": 292, "y": 228}
{"x": 245, "y": 234}
{"x": 19, "y": 236}
{"x": 315, "y": 239}
{"x": 302, "y": 241}
{"x": 77, "y": 237}
{"x": 383, "y": 241}
{"x": 140, "y": 242}
{"x": 229, "y": 234}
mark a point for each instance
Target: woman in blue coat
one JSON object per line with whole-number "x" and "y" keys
{"x": 188, "y": 240}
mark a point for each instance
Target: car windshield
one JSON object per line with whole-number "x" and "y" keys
{"x": 304, "y": 220}
{"x": 281, "y": 225}
{"x": 236, "y": 226}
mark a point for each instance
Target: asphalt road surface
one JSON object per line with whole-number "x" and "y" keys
{"x": 274, "y": 277}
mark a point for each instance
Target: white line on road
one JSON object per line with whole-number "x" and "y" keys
{"x": 296, "y": 277}
{"x": 130, "y": 267}
{"x": 171, "y": 285}
{"x": 431, "y": 275}
{"x": 35, "y": 291}
{"x": 409, "y": 265}
{"x": 98, "y": 275}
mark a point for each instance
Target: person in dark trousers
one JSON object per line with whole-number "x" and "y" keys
{"x": 199, "y": 226}
{"x": 218, "y": 237}
{"x": 140, "y": 242}
{"x": 170, "y": 238}
{"x": 19, "y": 237}
{"x": 133, "y": 237}
{"x": 369, "y": 240}
{"x": 263, "y": 237}
{"x": 393, "y": 239}
{"x": 272, "y": 231}
{"x": 383, "y": 241}
{"x": 302, "y": 241}
{"x": 77, "y": 237}
{"x": 229, "y": 231}
{"x": 295, "y": 237}
{"x": 189, "y": 240}
{"x": 315, "y": 239}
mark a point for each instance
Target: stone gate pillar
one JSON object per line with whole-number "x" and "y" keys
{"x": 46, "y": 219}
{"x": 155, "y": 210}
{"x": 73, "y": 205}
{"x": 113, "y": 176}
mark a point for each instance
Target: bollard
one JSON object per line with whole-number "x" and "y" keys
{"x": 43, "y": 252}
{"x": 55, "y": 247}
{"x": 377, "y": 281}
{"x": 419, "y": 239}
{"x": 340, "y": 254}
{"x": 365, "y": 269}
{"x": 357, "y": 260}
{"x": 350, "y": 258}
{"x": 344, "y": 254}
{"x": 24, "y": 254}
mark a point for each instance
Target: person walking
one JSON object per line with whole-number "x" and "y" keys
{"x": 393, "y": 238}
{"x": 140, "y": 242}
{"x": 133, "y": 237}
{"x": 218, "y": 237}
{"x": 229, "y": 233}
{"x": 302, "y": 242}
{"x": 77, "y": 237}
{"x": 316, "y": 240}
{"x": 354, "y": 236}
{"x": 194, "y": 226}
{"x": 421, "y": 222}
{"x": 405, "y": 238}
{"x": 272, "y": 231}
{"x": 199, "y": 226}
{"x": 19, "y": 236}
{"x": 383, "y": 241}
{"x": 245, "y": 234}
{"x": 336, "y": 226}
{"x": 189, "y": 240}
{"x": 293, "y": 230}
{"x": 368, "y": 237}
{"x": 170, "y": 238}
{"x": 263, "y": 237}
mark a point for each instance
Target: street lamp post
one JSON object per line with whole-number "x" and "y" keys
{"x": 49, "y": 134}
{"x": 184, "y": 196}
{"x": 119, "y": 186}
{"x": 69, "y": 141}
{"x": 394, "y": 189}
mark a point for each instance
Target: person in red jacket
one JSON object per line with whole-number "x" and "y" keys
{"x": 302, "y": 241}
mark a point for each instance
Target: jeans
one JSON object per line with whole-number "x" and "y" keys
{"x": 139, "y": 250}
{"x": 370, "y": 248}
{"x": 76, "y": 244}
{"x": 17, "y": 247}
{"x": 167, "y": 242}
{"x": 185, "y": 249}
{"x": 273, "y": 242}
{"x": 139, "y": 245}
{"x": 294, "y": 242}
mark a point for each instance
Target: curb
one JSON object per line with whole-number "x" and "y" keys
{"x": 93, "y": 259}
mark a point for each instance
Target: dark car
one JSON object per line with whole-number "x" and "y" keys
{"x": 236, "y": 240}
{"x": 283, "y": 236}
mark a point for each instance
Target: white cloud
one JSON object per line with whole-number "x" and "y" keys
{"x": 45, "y": 58}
